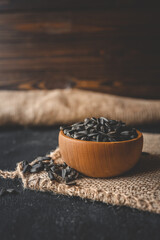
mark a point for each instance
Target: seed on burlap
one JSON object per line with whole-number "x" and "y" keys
{"x": 26, "y": 168}
{"x": 71, "y": 183}
{"x": 50, "y": 175}
{"x": 24, "y": 163}
{"x": 52, "y": 168}
{"x": 59, "y": 172}
{"x": 45, "y": 158}
{"x": 64, "y": 173}
{"x": 46, "y": 167}
{"x": 37, "y": 167}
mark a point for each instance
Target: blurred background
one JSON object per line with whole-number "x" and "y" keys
{"x": 107, "y": 46}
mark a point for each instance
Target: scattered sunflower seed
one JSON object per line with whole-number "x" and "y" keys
{"x": 4, "y": 191}
{"x": 50, "y": 175}
{"x": 26, "y": 168}
{"x": 59, "y": 172}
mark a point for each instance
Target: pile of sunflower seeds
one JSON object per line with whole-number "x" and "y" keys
{"x": 59, "y": 172}
{"x": 100, "y": 130}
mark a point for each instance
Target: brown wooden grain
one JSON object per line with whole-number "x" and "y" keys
{"x": 8, "y": 5}
{"x": 100, "y": 159}
{"x": 114, "y": 51}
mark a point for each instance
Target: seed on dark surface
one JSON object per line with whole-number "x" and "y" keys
{"x": 2, "y": 191}
{"x": 100, "y": 130}
{"x": 11, "y": 190}
{"x": 26, "y": 168}
{"x": 50, "y": 175}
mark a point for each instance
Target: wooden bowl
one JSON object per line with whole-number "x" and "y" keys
{"x": 100, "y": 159}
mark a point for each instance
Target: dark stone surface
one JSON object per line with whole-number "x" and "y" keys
{"x": 37, "y": 215}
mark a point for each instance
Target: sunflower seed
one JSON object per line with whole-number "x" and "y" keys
{"x": 2, "y": 191}
{"x": 50, "y": 175}
{"x": 71, "y": 183}
{"x": 26, "y": 168}
{"x": 37, "y": 167}
{"x": 100, "y": 130}
{"x": 11, "y": 190}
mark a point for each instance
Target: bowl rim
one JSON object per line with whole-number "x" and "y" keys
{"x": 92, "y": 142}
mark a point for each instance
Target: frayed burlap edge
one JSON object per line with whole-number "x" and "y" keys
{"x": 41, "y": 182}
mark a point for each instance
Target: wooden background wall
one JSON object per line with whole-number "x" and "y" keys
{"x": 109, "y": 46}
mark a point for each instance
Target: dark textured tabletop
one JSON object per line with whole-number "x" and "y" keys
{"x": 37, "y": 215}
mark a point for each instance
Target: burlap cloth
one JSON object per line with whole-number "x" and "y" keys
{"x": 40, "y": 107}
{"x": 139, "y": 188}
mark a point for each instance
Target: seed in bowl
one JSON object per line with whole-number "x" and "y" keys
{"x": 100, "y": 130}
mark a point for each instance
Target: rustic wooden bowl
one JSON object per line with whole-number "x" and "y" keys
{"x": 100, "y": 159}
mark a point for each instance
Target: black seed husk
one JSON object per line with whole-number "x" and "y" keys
{"x": 100, "y": 130}
{"x": 24, "y": 163}
{"x": 26, "y": 168}
{"x": 11, "y": 190}
{"x": 52, "y": 168}
{"x": 72, "y": 183}
{"x": 40, "y": 159}
{"x": 50, "y": 175}
{"x": 2, "y": 191}
{"x": 37, "y": 167}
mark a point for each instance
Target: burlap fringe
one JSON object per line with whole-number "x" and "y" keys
{"x": 41, "y": 182}
{"x": 7, "y": 174}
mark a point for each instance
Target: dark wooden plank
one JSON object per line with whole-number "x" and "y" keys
{"x": 115, "y": 51}
{"x": 50, "y": 80}
{"x": 14, "y": 5}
